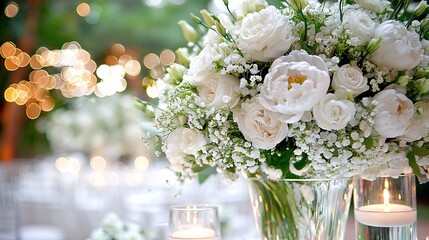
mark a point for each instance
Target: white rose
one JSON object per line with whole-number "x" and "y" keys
{"x": 351, "y": 79}
{"x": 260, "y": 126}
{"x": 180, "y": 142}
{"x": 333, "y": 114}
{"x": 244, "y": 7}
{"x": 202, "y": 66}
{"x": 265, "y": 35}
{"x": 220, "y": 90}
{"x": 393, "y": 113}
{"x": 294, "y": 84}
{"x": 374, "y": 5}
{"x": 360, "y": 25}
{"x": 399, "y": 48}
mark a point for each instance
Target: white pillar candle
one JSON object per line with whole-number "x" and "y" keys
{"x": 194, "y": 233}
{"x": 386, "y": 215}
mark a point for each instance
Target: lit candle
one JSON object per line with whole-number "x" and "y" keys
{"x": 194, "y": 233}
{"x": 387, "y": 214}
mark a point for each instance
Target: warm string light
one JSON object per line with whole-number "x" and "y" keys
{"x": 157, "y": 66}
{"x": 72, "y": 72}
{"x": 11, "y": 10}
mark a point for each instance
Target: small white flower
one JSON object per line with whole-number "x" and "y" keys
{"x": 393, "y": 113}
{"x": 260, "y": 126}
{"x": 220, "y": 90}
{"x": 265, "y": 35}
{"x": 360, "y": 25}
{"x": 399, "y": 48}
{"x": 350, "y": 78}
{"x": 294, "y": 84}
{"x": 333, "y": 114}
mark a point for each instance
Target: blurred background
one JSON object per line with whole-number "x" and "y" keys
{"x": 72, "y": 144}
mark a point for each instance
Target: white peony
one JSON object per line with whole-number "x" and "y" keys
{"x": 399, "y": 48}
{"x": 202, "y": 66}
{"x": 260, "y": 126}
{"x": 393, "y": 113}
{"x": 351, "y": 79}
{"x": 220, "y": 90}
{"x": 374, "y": 5}
{"x": 183, "y": 141}
{"x": 294, "y": 84}
{"x": 360, "y": 25}
{"x": 244, "y": 7}
{"x": 333, "y": 114}
{"x": 265, "y": 35}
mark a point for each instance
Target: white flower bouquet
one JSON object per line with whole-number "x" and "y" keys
{"x": 113, "y": 228}
{"x": 307, "y": 90}
{"x": 106, "y": 126}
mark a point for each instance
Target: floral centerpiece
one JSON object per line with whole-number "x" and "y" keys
{"x": 309, "y": 89}
{"x": 113, "y": 228}
{"x": 305, "y": 90}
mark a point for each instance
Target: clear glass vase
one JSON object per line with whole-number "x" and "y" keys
{"x": 301, "y": 209}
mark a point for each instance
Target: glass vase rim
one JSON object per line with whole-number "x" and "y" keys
{"x": 194, "y": 207}
{"x": 403, "y": 175}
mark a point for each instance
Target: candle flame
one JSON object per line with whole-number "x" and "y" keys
{"x": 386, "y": 196}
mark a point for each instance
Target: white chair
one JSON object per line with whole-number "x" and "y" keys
{"x": 8, "y": 214}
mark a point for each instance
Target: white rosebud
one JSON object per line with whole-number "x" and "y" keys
{"x": 220, "y": 90}
{"x": 399, "y": 48}
{"x": 294, "y": 84}
{"x": 333, "y": 114}
{"x": 260, "y": 126}
{"x": 265, "y": 35}
{"x": 360, "y": 25}
{"x": 188, "y": 31}
{"x": 180, "y": 142}
{"x": 421, "y": 8}
{"x": 350, "y": 78}
{"x": 393, "y": 113}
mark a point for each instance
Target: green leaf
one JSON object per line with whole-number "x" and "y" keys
{"x": 205, "y": 173}
{"x": 369, "y": 142}
{"x": 279, "y": 158}
{"x": 416, "y": 168}
{"x": 420, "y": 151}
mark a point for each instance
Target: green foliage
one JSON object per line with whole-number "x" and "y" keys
{"x": 280, "y": 158}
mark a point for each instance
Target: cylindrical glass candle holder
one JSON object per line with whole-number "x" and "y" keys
{"x": 385, "y": 208}
{"x": 196, "y": 222}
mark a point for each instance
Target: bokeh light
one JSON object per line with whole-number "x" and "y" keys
{"x": 33, "y": 111}
{"x": 151, "y": 60}
{"x": 98, "y": 163}
{"x": 11, "y": 10}
{"x": 70, "y": 70}
{"x": 83, "y": 9}
{"x": 141, "y": 163}
{"x": 98, "y": 178}
{"x": 167, "y": 57}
